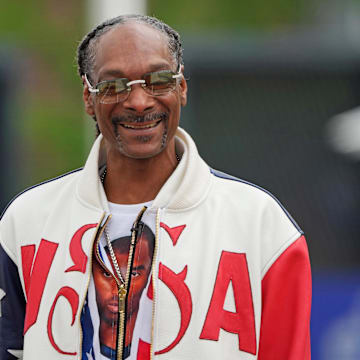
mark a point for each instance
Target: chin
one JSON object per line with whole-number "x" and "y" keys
{"x": 143, "y": 147}
{"x": 141, "y": 151}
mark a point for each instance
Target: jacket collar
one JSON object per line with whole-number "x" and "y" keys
{"x": 186, "y": 186}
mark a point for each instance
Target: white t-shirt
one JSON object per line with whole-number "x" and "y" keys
{"x": 140, "y": 297}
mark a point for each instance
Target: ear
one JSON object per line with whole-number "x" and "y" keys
{"x": 88, "y": 99}
{"x": 183, "y": 88}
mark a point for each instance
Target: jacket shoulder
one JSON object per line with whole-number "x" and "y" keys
{"x": 259, "y": 210}
{"x": 254, "y": 194}
{"x": 40, "y": 194}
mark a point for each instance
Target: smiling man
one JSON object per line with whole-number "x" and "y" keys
{"x": 136, "y": 102}
{"x": 226, "y": 274}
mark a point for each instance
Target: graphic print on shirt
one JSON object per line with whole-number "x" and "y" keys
{"x": 107, "y": 298}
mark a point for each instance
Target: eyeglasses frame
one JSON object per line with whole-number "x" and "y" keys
{"x": 128, "y": 84}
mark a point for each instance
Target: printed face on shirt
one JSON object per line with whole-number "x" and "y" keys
{"x": 106, "y": 294}
{"x": 140, "y": 272}
{"x": 106, "y": 289}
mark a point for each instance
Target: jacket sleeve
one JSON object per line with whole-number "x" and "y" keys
{"x": 286, "y": 293}
{"x": 12, "y": 309}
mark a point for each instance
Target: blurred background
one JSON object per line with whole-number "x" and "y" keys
{"x": 274, "y": 88}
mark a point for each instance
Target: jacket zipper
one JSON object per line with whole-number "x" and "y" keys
{"x": 120, "y": 287}
{"x": 153, "y": 272}
{"x": 123, "y": 288}
{"x": 94, "y": 239}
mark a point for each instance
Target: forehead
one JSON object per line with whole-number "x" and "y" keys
{"x": 143, "y": 254}
{"x": 131, "y": 47}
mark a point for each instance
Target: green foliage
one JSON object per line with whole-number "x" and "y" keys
{"x": 45, "y": 33}
{"x": 228, "y": 14}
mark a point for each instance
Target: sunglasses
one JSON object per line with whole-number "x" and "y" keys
{"x": 118, "y": 90}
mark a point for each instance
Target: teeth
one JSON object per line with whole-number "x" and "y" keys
{"x": 140, "y": 127}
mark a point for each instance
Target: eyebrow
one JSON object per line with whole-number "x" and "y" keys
{"x": 137, "y": 268}
{"x": 112, "y": 72}
{"x": 116, "y": 73}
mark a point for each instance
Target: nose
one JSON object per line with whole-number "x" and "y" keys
{"x": 114, "y": 291}
{"x": 139, "y": 100}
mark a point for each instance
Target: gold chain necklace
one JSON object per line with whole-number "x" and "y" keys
{"x": 107, "y": 237}
{"x": 113, "y": 256}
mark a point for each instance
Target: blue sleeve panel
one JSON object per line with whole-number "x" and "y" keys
{"x": 12, "y": 308}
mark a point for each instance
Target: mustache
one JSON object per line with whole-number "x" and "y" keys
{"x": 133, "y": 119}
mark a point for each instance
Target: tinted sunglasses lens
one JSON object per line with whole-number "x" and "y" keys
{"x": 113, "y": 91}
{"x": 160, "y": 82}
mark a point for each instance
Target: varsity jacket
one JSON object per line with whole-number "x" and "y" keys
{"x": 231, "y": 274}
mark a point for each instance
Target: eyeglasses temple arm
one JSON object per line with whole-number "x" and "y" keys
{"x": 179, "y": 74}
{"x": 91, "y": 89}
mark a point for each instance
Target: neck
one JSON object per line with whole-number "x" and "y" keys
{"x": 141, "y": 178}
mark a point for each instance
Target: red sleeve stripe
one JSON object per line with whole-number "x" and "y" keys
{"x": 286, "y": 304}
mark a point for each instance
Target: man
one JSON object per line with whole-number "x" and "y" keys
{"x": 230, "y": 275}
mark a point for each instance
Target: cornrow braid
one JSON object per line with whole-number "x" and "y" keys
{"x": 86, "y": 51}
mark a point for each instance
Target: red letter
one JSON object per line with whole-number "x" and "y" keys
{"x": 143, "y": 350}
{"x": 232, "y": 268}
{"x": 173, "y": 232}
{"x": 286, "y": 304}
{"x": 73, "y": 298}
{"x": 27, "y": 259}
{"x": 76, "y": 251}
{"x": 35, "y": 279}
{"x": 176, "y": 283}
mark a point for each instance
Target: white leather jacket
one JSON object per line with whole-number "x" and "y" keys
{"x": 231, "y": 273}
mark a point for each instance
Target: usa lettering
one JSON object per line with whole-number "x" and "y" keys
{"x": 35, "y": 272}
{"x": 232, "y": 271}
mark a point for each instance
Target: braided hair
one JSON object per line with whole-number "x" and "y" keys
{"x": 86, "y": 51}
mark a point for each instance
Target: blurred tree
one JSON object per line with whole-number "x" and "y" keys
{"x": 42, "y": 36}
{"x": 229, "y": 14}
